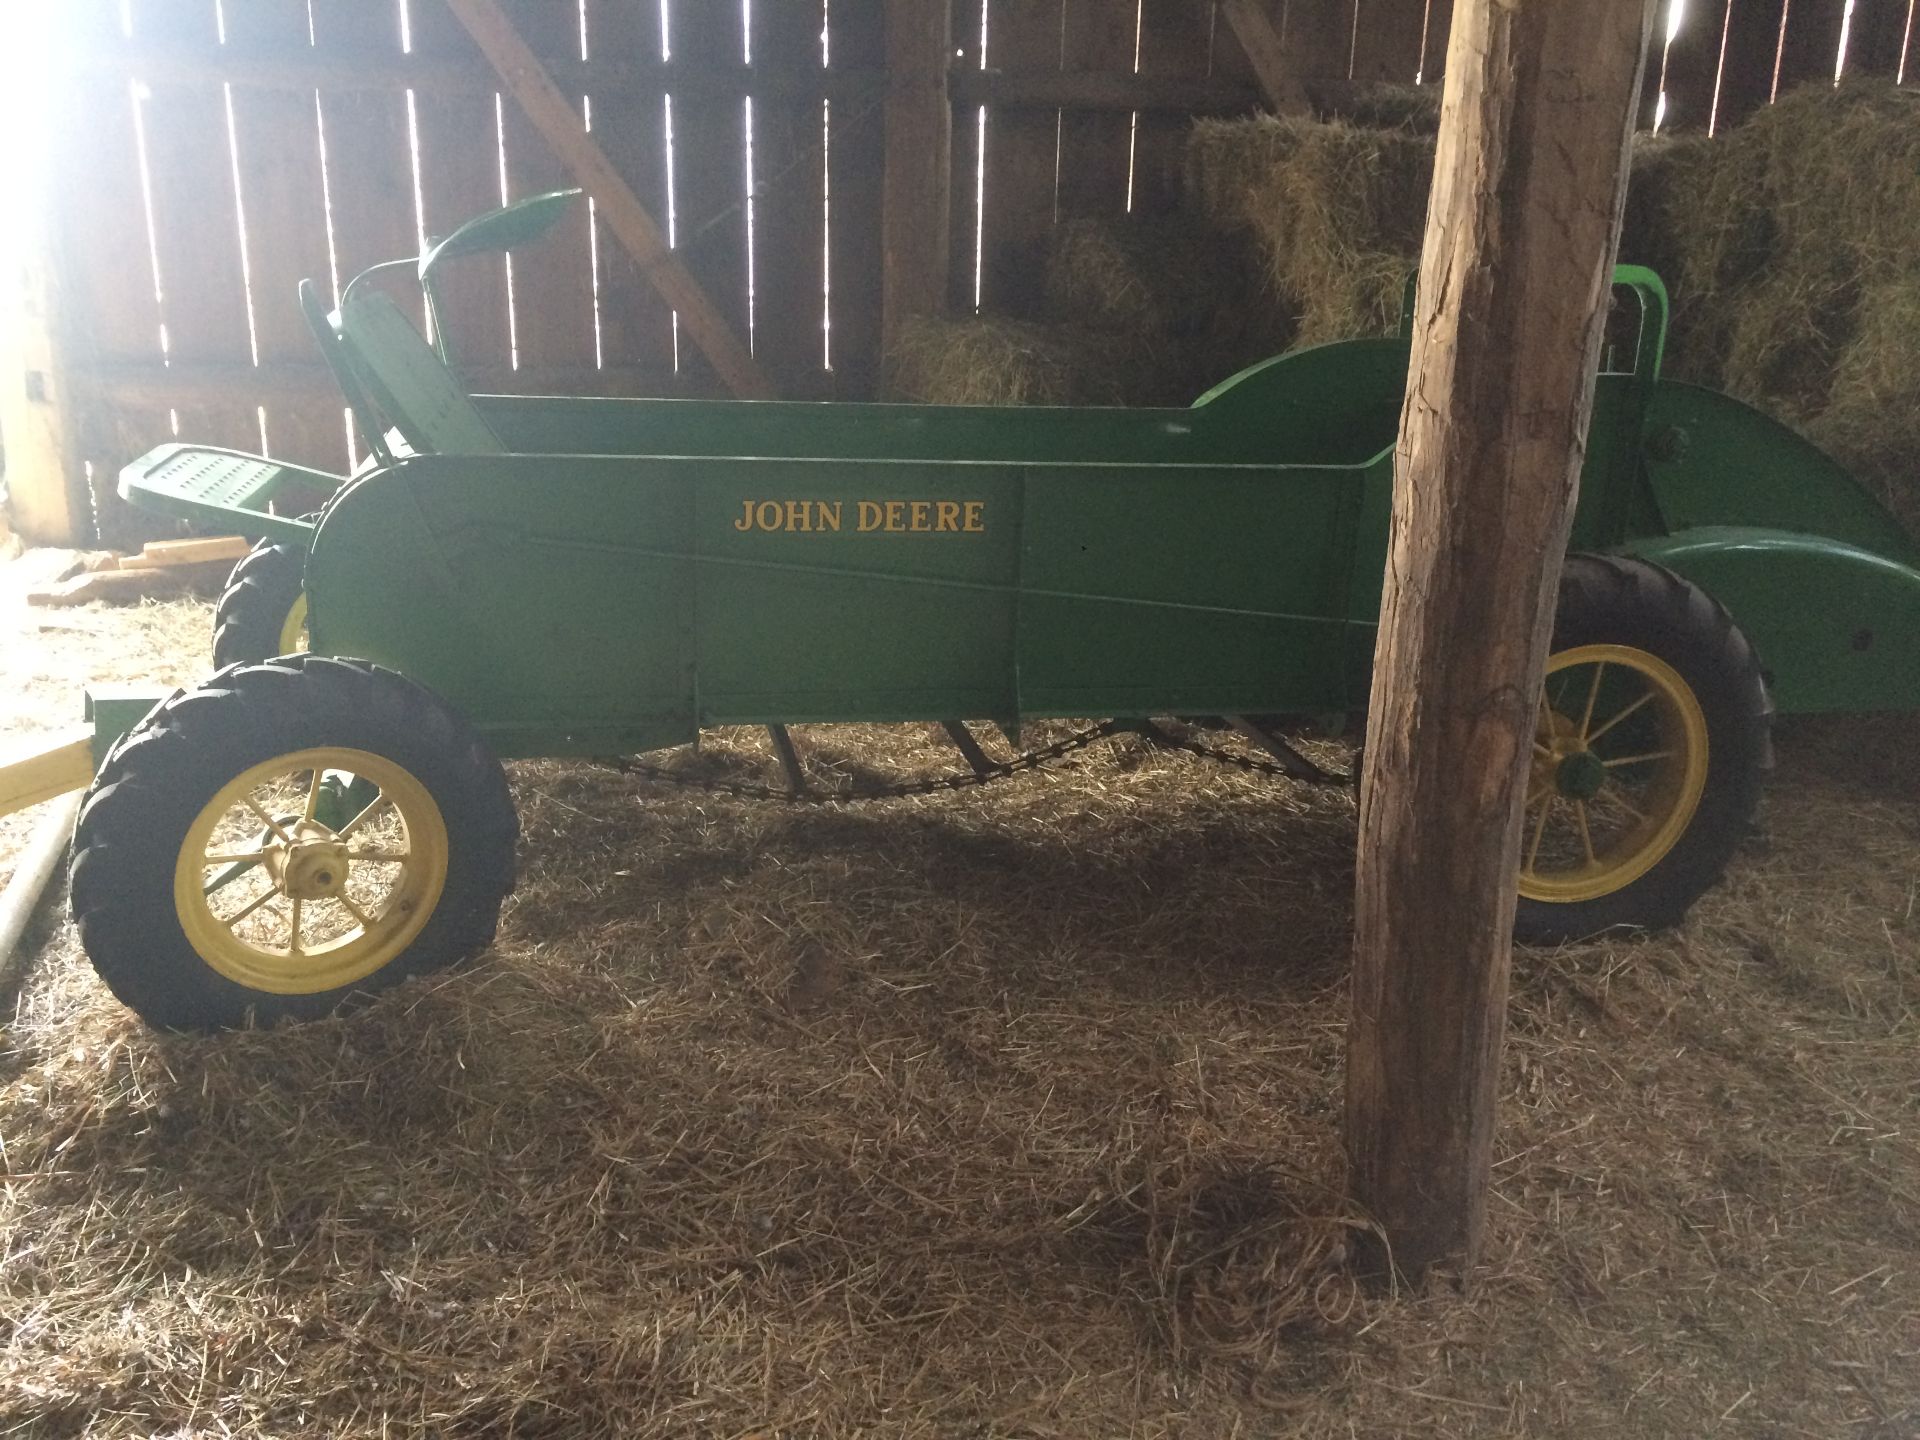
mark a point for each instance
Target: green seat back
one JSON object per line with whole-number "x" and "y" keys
{"x": 410, "y": 383}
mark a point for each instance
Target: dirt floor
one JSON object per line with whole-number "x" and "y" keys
{"x": 1009, "y": 1113}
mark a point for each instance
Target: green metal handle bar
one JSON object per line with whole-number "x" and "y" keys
{"x": 1656, "y": 312}
{"x": 499, "y": 232}
{"x": 344, "y": 375}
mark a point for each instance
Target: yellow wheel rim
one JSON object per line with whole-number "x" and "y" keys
{"x": 275, "y": 899}
{"x": 1619, "y": 765}
{"x": 293, "y": 634}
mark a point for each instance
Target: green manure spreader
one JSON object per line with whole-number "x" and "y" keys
{"x": 512, "y": 577}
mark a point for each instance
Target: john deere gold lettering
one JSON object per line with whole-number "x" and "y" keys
{"x": 870, "y": 517}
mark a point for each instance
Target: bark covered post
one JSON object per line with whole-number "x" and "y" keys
{"x": 1529, "y": 184}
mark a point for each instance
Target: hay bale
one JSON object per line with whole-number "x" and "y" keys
{"x": 1338, "y": 209}
{"x": 1774, "y": 233}
{"x": 1180, "y": 303}
{"x": 988, "y": 360}
{"x": 1872, "y": 421}
{"x": 1413, "y": 108}
{"x": 1789, "y": 246}
{"x": 1173, "y": 275}
{"x": 1787, "y": 243}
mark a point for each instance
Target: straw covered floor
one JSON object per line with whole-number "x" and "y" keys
{"x": 1013, "y": 1112}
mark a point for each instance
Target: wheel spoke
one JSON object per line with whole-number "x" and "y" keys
{"x": 236, "y": 857}
{"x": 227, "y": 876}
{"x": 1646, "y": 699}
{"x": 382, "y": 803}
{"x": 1539, "y": 830}
{"x": 271, "y": 823}
{"x": 1648, "y": 758}
{"x": 293, "y": 932}
{"x": 1586, "y": 835}
{"x": 270, "y": 893}
{"x": 313, "y": 797}
{"x": 1613, "y": 792}
{"x": 355, "y": 911}
{"x": 380, "y": 857}
{"x": 1593, "y": 698}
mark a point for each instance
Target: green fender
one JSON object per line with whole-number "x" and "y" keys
{"x": 1712, "y": 460}
{"x": 1816, "y": 572}
{"x": 1837, "y": 626}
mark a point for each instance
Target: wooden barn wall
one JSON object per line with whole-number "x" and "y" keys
{"x": 1715, "y": 61}
{"x": 230, "y": 148}
{"x": 235, "y": 147}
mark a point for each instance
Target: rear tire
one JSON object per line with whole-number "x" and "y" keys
{"x": 262, "y": 612}
{"x": 214, "y": 854}
{"x": 1682, "y": 768}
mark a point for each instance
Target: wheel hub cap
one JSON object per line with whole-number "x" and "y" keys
{"x": 1581, "y": 776}
{"x": 315, "y": 870}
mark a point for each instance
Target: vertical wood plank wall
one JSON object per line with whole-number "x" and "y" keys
{"x": 239, "y": 146}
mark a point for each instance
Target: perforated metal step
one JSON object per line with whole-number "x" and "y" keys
{"x": 198, "y": 482}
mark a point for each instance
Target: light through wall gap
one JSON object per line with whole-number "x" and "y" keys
{"x": 1720, "y": 71}
{"x": 506, "y": 198}
{"x": 673, "y": 202}
{"x": 826, "y": 192}
{"x": 980, "y": 175}
{"x": 1780, "y": 51}
{"x": 593, "y": 213}
{"x": 746, "y": 43}
{"x": 417, "y": 170}
{"x": 1676, "y": 15}
{"x": 1133, "y": 118}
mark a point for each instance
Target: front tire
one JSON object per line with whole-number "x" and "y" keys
{"x": 288, "y": 838}
{"x": 1650, "y": 751}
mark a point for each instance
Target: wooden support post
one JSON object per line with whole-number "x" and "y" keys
{"x": 919, "y": 163}
{"x": 1529, "y": 185}
{"x": 46, "y": 476}
{"x": 562, "y": 127}
{"x": 40, "y": 404}
{"x": 1268, "y": 55}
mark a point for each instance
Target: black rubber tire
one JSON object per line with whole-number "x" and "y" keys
{"x": 1622, "y": 601}
{"x": 253, "y": 609}
{"x": 168, "y": 768}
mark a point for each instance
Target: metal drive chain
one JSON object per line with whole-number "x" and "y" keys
{"x": 1251, "y": 763}
{"x": 965, "y": 780}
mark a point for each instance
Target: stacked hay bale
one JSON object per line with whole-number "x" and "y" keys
{"x": 1180, "y": 304}
{"x": 1337, "y": 208}
{"x": 1790, "y": 247}
{"x": 991, "y": 360}
{"x": 1138, "y": 311}
{"x": 1787, "y": 242}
